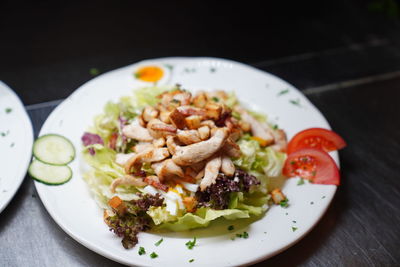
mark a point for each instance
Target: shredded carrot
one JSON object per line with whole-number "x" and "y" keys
{"x": 260, "y": 140}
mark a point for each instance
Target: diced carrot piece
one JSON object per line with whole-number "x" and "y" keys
{"x": 115, "y": 202}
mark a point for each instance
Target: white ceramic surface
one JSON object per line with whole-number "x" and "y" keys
{"x": 72, "y": 207}
{"x": 16, "y": 138}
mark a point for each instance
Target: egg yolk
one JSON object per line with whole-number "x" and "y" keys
{"x": 149, "y": 73}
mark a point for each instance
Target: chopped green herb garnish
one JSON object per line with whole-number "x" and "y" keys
{"x": 141, "y": 251}
{"x": 12, "y": 144}
{"x": 295, "y": 102}
{"x": 286, "y": 213}
{"x": 176, "y": 101}
{"x": 311, "y": 203}
{"x": 300, "y": 182}
{"x": 294, "y": 221}
{"x": 323, "y": 197}
{"x": 293, "y": 162}
{"x": 284, "y": 203}
{"x": 313, "y": 173}
{"x": 243, "y": 235}
{"x": 191, "y": 244}
{"x": 213, "y": 69}
{"x": 153, "y": 255}
{"x": 283, "y": 92}
{"x": 215, "y": 99}
{"x": 275, "y": 127}
{"x": 294, "y": 228}
{"x": 8, "y": 110}
{"x": 159, "y": 242}
{"x": 191, "y": 260}
{"x": 168, "y": 66}
{"x": 231, "y": 227}
{"x": 94, "y": 71}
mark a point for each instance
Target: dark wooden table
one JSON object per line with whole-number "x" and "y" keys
{"x": 344, "y": 56}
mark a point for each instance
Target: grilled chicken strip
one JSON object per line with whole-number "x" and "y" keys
{"x": 126, "y": 180}
{"x": 167, "y": 169}
{"x": 122, "y": 158}
{"x": 158, "y": 129}
{"x": 188, "y": 137}
{"x": 142, "y": 146}
{"x": 280, "y": 141}
{"x": 227, "y": 166}
{"x": 190, "y": 154}
{"x": 137, "y": 132}
{"x": 258, "y": 129}
{"x": 211, "y": 172}
{"x": 149, "y": 155}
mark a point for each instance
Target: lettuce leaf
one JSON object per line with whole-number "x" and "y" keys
{"x": 201, "y": 218}
{"x": 240, "y": 207}
{"x": 259, "y": 160}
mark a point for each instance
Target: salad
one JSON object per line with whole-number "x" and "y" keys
{"x": 165, "y": 158}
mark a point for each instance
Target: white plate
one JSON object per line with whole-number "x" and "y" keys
{"x": 16, "y": 138}
{"x": 72, "y": 207}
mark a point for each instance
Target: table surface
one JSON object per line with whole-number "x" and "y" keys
{"x": 344, "y": 56}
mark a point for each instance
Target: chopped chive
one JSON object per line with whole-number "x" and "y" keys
{"x": 141, "y": 251}
{"x": 12, "y": 144}
{"x": 153, "y": 255}
{"x": 283, "y": 92}
{"x": 284, "y": 203}
{"x": 323, "y": 197}
{"x": 311, "y": 203}
{"x": 168, "y": 66}
{"x": 215, "y": 99}
{"x": 94, "y": 71}
{"x": 159, "y": 242}
{"x": 294, "y": 228}
{"x": 245, "y": 235}
{"x": 295, "y": 102}
{"x": 231, "y": 227}
{"x": 294, "y": 221}
{"x": 292, "y": 162}
{"x": 8, "y": 110}
{"x": 191, "y": 260}
{"x": 300, "y": 182}
{"x": 213, "y": 69}
{"x": 275, "y": 127}
{"x": 191, "y": 244}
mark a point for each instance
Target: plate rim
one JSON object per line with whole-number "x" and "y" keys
{"x": 22, "y": 172}
{"x": 120, "y": 259}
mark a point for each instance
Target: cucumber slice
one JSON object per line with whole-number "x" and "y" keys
{"x": 54, "y": 149}
{"x": 49, "y": 174}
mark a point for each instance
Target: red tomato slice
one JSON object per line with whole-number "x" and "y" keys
{"x": 312, "y": 164}
{"x": 319, "y": 138}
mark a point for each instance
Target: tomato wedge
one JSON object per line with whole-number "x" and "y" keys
{"x": 312, "y": 164}
{"x": 319, "y": 138}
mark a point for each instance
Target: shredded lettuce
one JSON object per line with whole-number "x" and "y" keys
{"x": 259, "y": 160}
